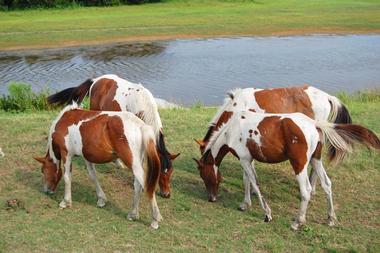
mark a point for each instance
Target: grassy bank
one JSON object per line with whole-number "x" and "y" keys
{"x": 190, "y": 222}
{"x": 183, "y": 19}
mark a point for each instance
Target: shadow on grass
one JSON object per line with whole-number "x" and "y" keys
{"x": 81, "y": 193}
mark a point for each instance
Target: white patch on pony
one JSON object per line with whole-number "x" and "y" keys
{"x": 73, "y": 140}
{"x": 70, "y": 107}
{"x": 216, "y": 170}
{"x": 320, "y": 103}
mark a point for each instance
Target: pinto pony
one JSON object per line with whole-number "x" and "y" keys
{"x": 101, "y": 137}
{"x": 305, "y": 99}
{"x": 274, "y": 138}
{"x": 112, "y": 93}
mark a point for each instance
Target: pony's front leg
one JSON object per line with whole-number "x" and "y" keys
{"x": 247, "y": 193}
{"x": 155, "y": 213}
{"x": 305, "y": 190}
{"x": 251, "y": 176}
{"x": 66, "y": 202}
{"x": 99, "y": 191}
{"x": 134, "y": 213}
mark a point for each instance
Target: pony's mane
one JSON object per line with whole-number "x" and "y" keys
{"x": 230, "y": 95}
{"x": 150, "y": 112}
{"x": 214, "y": 137}
{"x": 49, "y": 148}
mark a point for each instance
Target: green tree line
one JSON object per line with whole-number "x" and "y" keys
{"x": 26, "y": 4}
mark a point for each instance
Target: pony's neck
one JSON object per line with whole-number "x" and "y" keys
{"x": 220, "y": 149}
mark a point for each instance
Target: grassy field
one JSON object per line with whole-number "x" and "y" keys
{"x": 184, "y": 19}
{"x": 190, "y": 222}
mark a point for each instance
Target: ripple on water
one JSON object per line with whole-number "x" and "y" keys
{"x": 202, "y": 70}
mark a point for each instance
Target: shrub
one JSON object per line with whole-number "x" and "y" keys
{"x": 22, "y": 98}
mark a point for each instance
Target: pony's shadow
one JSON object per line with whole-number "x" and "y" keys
{"x": 81, "y": 193}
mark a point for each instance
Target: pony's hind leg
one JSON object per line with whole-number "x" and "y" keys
{"x": 326, "y": 185}
{"x": 134, "y": 213}
{"x": 67, "y": 202}
{"x": 305, "y": 190}
{"x": 99, "y": 191}
{"x": 251, "y": 176}
{"x": 313, "y": 180}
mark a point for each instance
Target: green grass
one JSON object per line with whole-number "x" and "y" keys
{"x": 182, "y": 19}
{"x": 190, "y": 222}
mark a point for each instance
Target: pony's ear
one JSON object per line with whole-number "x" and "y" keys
{"x": 39, "y": 159}
{"x": 172, "y": 157}
{"x": 200, "y": 142}
{"x": 198, "y": 162}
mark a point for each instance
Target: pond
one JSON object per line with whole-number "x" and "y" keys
{"x": 202, "y": 70}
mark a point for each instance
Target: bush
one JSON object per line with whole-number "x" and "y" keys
{"x": 22, "y": 98}
{"x": 24, "y": 4}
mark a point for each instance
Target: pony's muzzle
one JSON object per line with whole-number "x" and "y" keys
{"x": 211, "y": 198}
{"x": 165, "y": 195}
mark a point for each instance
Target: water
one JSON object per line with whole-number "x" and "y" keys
{"x": 202, "y": 70}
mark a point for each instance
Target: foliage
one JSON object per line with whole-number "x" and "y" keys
{"x": 22, "y": 98}
{"x": 26, "y": 4}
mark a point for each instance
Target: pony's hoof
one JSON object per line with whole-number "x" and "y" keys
{"x": 64, "y": 204}
{"x": 154, "y": 225}
{"x": 133, "y": 216}
{"x": 331, "y": 221}
{"x": 243, "y": 207}
{"x": 295, "y": 226}
{"x": 101, "y": 203}
{"x": 267, "y": 218}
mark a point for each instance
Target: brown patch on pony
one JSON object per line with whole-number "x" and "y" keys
{"x": 102, "y": 96}
{"x": 234, "y": 104}
{"x": 119, "y": 142}
{"x": 318, "y": 151}
{"x": 296, "y": 145}
{"x": 92, "y": 150}
{"x": 252, "y": 110}
{"x": 140, "y": 114}
{"x": 285, "y": 100}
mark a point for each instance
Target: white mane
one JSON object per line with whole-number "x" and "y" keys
{"x": 227, "y": 101}
{"x": 214, "y": 137}
{"x": 150, "y": 115}
{"x": 69, "y": 107}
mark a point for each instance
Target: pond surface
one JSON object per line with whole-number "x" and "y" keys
{"x": 202, "y": 70}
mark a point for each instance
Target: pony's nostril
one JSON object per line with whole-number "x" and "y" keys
{"x": 212, "y": 199}
{"x": 165, "y": 195}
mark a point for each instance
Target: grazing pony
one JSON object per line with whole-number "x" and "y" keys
{"x": 274, "y": 138}
{"x": 305, "y": 99}
{"x": 112, "y": 93}
{"x": 102, "y": 137}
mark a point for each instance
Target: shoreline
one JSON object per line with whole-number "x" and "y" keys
{"x": 157, "y": 38}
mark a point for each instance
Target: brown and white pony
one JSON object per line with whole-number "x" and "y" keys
{"x": 102, "y": 137}
{"x": 306, "y": 99}
{"x": 274, "y": 138}
{"x": 112, "y": 93}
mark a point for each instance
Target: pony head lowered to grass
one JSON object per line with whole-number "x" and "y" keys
{"x": 274, "y": 138}
{"x": 102, "y": 137}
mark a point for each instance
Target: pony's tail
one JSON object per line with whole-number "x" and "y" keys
{"x": 338, "y": 113}
{"x": 153, "y": 160}
{"x": 341, "y": 136}
{"x": 68, "y": 95}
